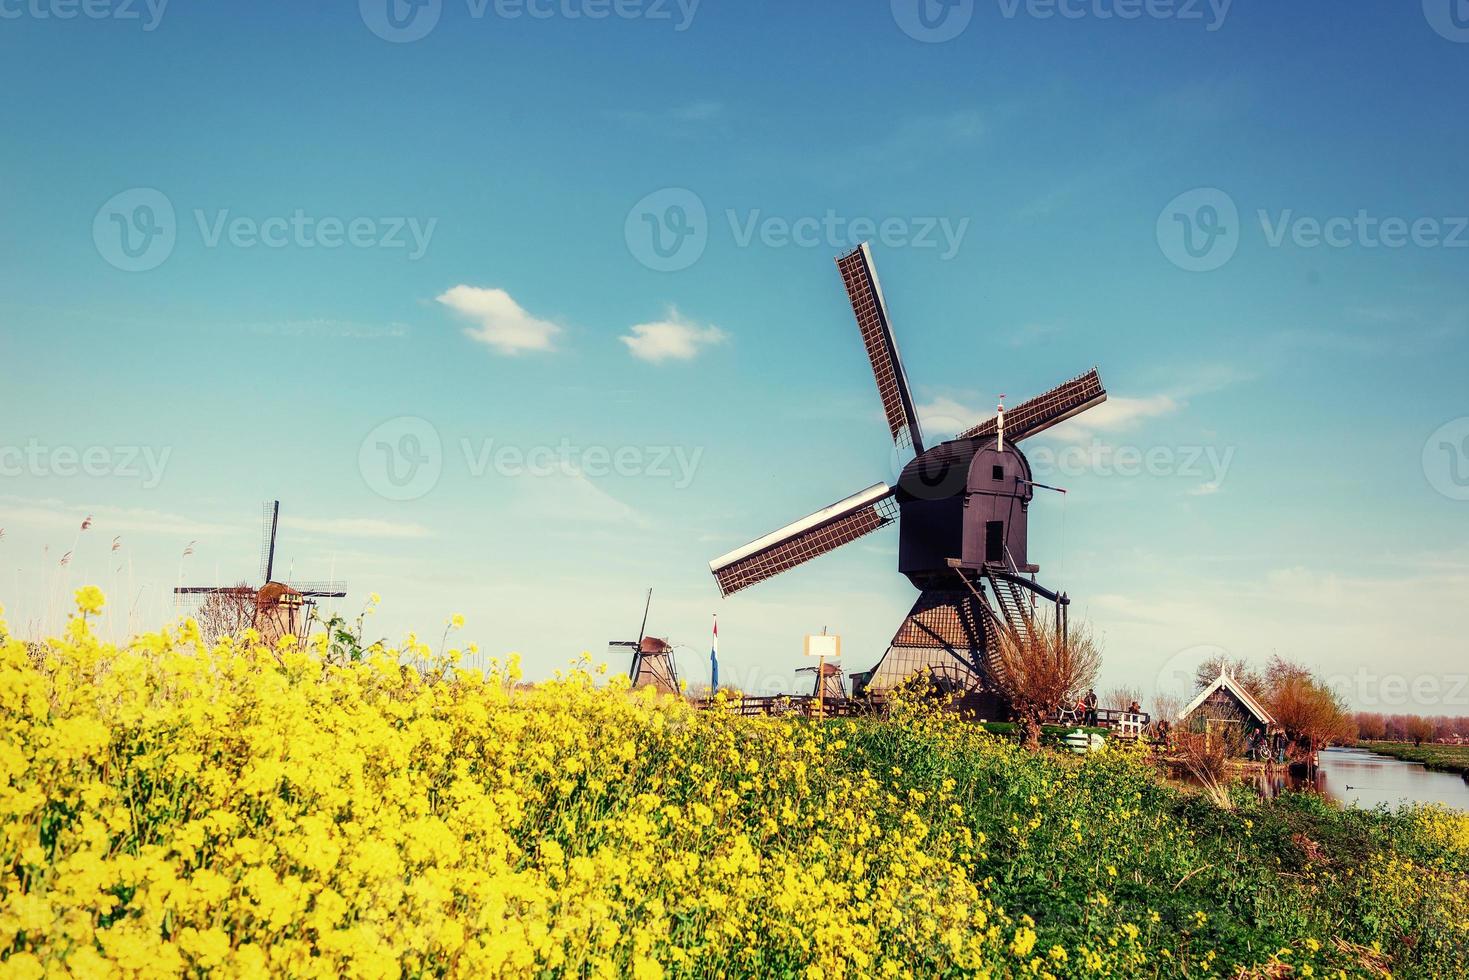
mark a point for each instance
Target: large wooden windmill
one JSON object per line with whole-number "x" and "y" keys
{"x": 962, "y": 508}
{"x": 277, "y": 608}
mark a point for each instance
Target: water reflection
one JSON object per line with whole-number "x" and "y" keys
{"x": 1360, "y": 778}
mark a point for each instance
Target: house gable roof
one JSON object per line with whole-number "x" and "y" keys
{"x": 1224, "y": 680}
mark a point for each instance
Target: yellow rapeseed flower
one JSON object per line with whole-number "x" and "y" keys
{"x": 90, "y": 599}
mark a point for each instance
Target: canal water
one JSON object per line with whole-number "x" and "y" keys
{"x": 1357, "y": 777}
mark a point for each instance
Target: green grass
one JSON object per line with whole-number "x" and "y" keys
{"x": 1346, "y": 889}
{"x": 1443, "y": 758}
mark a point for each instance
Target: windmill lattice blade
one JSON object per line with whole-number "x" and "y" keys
{"x": 826, "y": 530}
{"x": 321, "y": 590}
{"x": 1044, "y": 411}
{"x": 270, "y": 514}
{"x": 859, "y": 275}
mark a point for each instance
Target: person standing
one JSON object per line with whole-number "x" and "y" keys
{"x": 1091, "y": 707}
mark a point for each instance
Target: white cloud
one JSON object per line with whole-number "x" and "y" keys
{"x": 1205, "y": 489}
{"x": 356, "y": 527}
{"x": 499, "y": 321}
{"x": 1116, "y": 414}
{"x": 943, "y": 417}
{"x": 673, "y": 339}
{"x": 947, "y": 416}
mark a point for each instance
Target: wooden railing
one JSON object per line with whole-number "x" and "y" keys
{"x": 1126, "y": 724}
{"x": 803, "y": 705}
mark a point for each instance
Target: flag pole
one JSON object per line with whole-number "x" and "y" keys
{"x": 714, "y": 660}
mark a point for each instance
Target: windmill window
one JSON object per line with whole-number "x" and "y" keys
{"x": 998, "y": 472}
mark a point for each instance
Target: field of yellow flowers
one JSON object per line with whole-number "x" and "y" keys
{"x": 170, "y": 808}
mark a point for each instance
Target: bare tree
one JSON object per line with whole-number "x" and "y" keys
{"x": 1237, "y": 667}
{"x": 1122, "y": 698}
{"x": 227, "y": 612}
{"x": 1044, "y": 671}
{"x": 1166, "y": 707}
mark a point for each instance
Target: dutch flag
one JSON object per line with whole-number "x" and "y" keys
{"x": 714, "y": 660}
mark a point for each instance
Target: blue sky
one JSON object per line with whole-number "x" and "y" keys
{"x": 1306, "y": 497}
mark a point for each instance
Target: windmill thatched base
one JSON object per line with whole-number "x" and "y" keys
{"x": 944, "y": 636}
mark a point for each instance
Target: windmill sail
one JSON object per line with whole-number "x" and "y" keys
{"x": 1043, "y": 411}
{"x": 795, "y": 544}
{"x": 271, "y": 518}
{"x": 859, "y": 275}
{"x": 320, "y": 590}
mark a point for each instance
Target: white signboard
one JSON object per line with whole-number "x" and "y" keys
{"x": 823, "y": 646}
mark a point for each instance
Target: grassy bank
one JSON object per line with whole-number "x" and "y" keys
{"x": 1442, "y": 758}
{"x": 171, "y": 808}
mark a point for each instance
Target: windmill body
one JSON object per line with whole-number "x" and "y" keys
{"x": 826, "y": 682}
{"x": 279, "y": 607}
{"x": 653, "y": 664}
{"x": 962, "y": 507}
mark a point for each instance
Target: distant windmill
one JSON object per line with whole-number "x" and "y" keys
{"x": 830, "y": 686}
{"x": 652, "y": 658}
{"x": 963, "y": 506}
{"x": 278, "y": 606}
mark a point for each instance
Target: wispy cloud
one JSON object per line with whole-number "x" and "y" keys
{"x": 21, "y": 512}
{"x": 672, "y": 339}
{"x": 498, "y": 321}
{"x": 356, "y": 527}
{"x": 915, "y": 139}
{"x": 687, "y": 114}
{"x": 1033, "y": 333}
{"x": 567, "y": 496}
{"x": 1206, "y": 102}
{"x": 1310, "y": 614}
{"x": 328, "y": 328}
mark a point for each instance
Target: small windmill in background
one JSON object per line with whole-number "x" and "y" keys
{"x": 830, "y": 686}
{"x": 652, "y": 658}
{"x": 275, "y": 609}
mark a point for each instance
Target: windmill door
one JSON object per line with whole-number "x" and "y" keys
{"x": 994, "y": 541}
